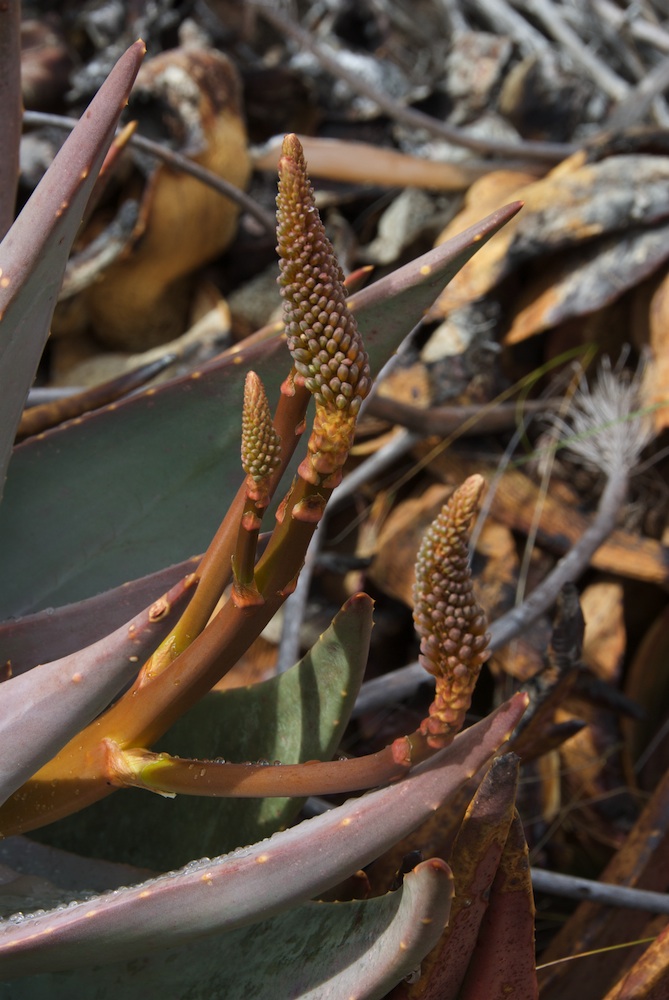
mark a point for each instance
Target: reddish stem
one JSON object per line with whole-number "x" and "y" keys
{"x": 175, "y": 775}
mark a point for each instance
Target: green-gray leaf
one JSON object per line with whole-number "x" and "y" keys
{"x": 44, "y": 708}
{"x": 34, "y": 252}
{"x": 319, "y": 951}
{"x": 252, "y": 883}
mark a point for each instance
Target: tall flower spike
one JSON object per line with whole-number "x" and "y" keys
{"x": 322, "y": 333}
{"x": 448, "y": 619}
{"x": 261, "y": 445}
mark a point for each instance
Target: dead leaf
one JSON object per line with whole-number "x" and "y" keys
{"x": 647, "y": 684}
{"x": 643, "y": 863}
{"x": 655, "y": 388}
{"x": 576, "y": 202}
{"x": 587, "y": 279}
{"x": 474, "y": 861}
{"x": 363, "y": 163}
{"x": 605, "y": 636}
{"x": 141, "y": 301}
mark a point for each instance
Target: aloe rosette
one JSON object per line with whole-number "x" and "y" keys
{"x": 76, "y": 749}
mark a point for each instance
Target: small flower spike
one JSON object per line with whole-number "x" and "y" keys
{"x": 322, "y": 333}
{"x": 261, "y": 445}
{"x": 261, "y": 454}
{"x": 448, "y": 619}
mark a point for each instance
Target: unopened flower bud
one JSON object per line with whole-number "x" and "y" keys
{"x": 447, "y": 616}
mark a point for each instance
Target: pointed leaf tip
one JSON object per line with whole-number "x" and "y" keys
{"x": 34, "y": 252}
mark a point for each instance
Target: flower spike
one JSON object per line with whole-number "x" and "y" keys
{"x": 448, "y": 619}
{"x": 260, "y": 442}
{"x": 322, "y": 333}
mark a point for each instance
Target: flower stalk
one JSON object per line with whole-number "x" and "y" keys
{"x": 167, "y": 775}
{"x": 331, "y": 364}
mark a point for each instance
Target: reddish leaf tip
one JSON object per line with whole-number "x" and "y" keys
{"x": 360, "y": 599}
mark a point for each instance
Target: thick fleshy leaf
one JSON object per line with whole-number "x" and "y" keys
{"x": 163, "y": 467}
{"x": 34, "y": 252}
{"x": 255, "y": 882}
{"x": 300, "y": 715}
{"x": 57, "y": 632}
{"x": 27, "y": 868}
{"x": 322, "y": 951}
{"x": 45, "y": 707}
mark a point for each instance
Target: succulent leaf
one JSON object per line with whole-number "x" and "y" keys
{"x": 57, "y": 632}
{"x": 34, "y": 252}
{"x": 254, "y": 882}
{"x": 447, "y": 616}
{"x": 44, "y": 708}
{"x": 162, "y": 466}
{"x": 322, "y": 951}
{"x": 505, "y": 950}
{"x": 56, "y": 877}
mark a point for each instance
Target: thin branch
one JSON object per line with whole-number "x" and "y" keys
{"x": 549, "y": 16}
{"x": 39, "y": 418}
{"x": 638, "y": 101}
{"x": 599, "y": 892}
{"x": 644, "y": 31}
{"x": 295, "y": 608}
{"x": 460, "y": 420}
{"x": 454, "y": 19}
{"x": 550, "y": 152}
{"x": 500, "y": 15}
{"x": 392, "y": 687}
{"x": 39, "y": 395}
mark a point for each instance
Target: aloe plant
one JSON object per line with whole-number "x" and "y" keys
{"x": 98, "y": 716}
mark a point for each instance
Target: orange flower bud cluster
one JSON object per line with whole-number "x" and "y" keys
{"x": 448, "y": 619}
{"x": 322, "y": 333}
{"x": 260, "y": 443}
